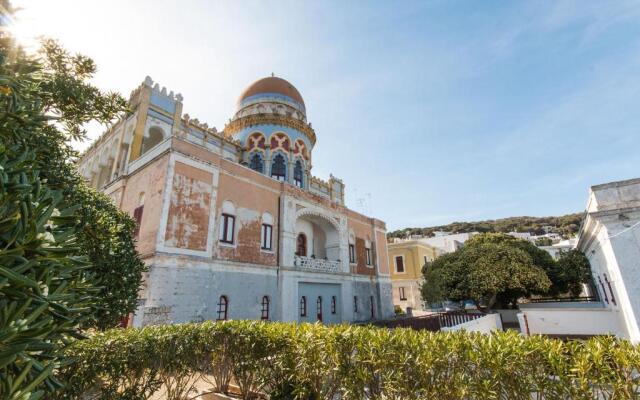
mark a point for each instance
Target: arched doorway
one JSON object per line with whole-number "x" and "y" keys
{"x": 301, "y": 245}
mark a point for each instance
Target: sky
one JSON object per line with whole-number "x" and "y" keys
{"x": 429, "y": 111}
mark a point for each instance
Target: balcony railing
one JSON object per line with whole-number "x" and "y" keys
{"x": 433, "y": 322}
{"x": 316, "y": 264}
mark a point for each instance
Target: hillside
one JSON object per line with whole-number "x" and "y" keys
{"x": 565, "y": 225}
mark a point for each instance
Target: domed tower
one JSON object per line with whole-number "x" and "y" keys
{"x": 271, "y": 124}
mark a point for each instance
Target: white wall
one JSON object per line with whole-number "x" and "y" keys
{"x": 570, "y": 321}
{"x": 486, "y": 324}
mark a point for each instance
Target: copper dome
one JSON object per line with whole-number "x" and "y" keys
{"x": 272, "y": 84}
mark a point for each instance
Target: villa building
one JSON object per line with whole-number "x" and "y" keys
{"x": 232, "y": 224}
{"x": 407, "y": 258}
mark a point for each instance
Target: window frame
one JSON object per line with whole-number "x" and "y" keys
{"x": 298, "y": 182}
{"x": 137, "y": 217}
{"x": 223, "y": 308}
{"x": 367, "y": 255}
{"x": 401, "y": 292}
{"x": 266, "y": 233}
{"x": 319, "y": 308}
{"x": 265, "y": 308}
{"x": 256, "y": 156}
{"x": 278, "y": 177}
{"x": 395, "y": 259}
{"x": 352, "y": 253}
{"x": 224, "y": 228}
{"x": 303, "y": 306}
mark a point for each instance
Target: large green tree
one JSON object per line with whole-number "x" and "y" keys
{"x": 489, "y": 269}
{"x": 498, "y": 269}
{"x": 67, "y": 255}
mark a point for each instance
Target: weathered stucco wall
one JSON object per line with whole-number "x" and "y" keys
{"x": 147, "y": 184}
{"x": 251, "y": 202}
{"x": 190, "y": 202}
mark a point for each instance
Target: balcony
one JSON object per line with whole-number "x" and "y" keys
{"x": 316, "y": 264}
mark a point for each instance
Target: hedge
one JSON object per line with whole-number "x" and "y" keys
{"x": 303, "y": 361}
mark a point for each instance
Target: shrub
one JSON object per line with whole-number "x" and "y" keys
{"x": 306, "y": 361}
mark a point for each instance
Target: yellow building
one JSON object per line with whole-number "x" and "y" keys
{"x": 406, "y": 259}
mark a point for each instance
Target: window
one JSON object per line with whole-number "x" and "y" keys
{"x": 279, "y": 168}
{"x": 333, "y": 304}
{"x": 301, "y": 247}
{"x": 137, "y": 216}
{"x": 223, "y": 306}
{"x": 373, "y": 314}
{"x": 303, "y": 306}
{"x": 613, "y": 299}
{"x": 367, "y": 253}
{"x": 319, "y": 308}
{"x": 352, "y": 254}
{"x": 297, "y": 174}
{"x": 267, "y": 231}
{"x": 355, "y": 304}
{"x": 265, "y": 307}
{"x": 604, "y": 291}
{"x": 256, "y": 164}
{"x": 227, "y": 227}
{"x": 399, "y": 264}
{"x": 402, "y": 295}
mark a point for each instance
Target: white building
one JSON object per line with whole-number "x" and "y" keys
{"x": 610, "y": 238}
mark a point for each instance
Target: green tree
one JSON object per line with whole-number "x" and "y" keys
{"x": 50, "y": 222}
{"x": 489, "y": 269}
{"x": 573, "y": 270}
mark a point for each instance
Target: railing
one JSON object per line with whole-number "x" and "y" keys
{"x": 432, "y": 322}
{"x": 563, "y": 299}
{"x": 316, "y": 264}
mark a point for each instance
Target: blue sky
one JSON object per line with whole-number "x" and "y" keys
{"x": 442, "y": 111}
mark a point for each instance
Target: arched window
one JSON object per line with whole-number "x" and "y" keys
{"x": 265, "y": 307}
{"x": 303, "y": 306}
{"x": 154, "y": 137}
{"x": 301, "y": 246}
{"x": 223, "y": 307}
{"x": 319, "y": 308}
{"x": 297, "y": 174}
{"x": 279, "y": 168}
{"x": 256, "y": 164}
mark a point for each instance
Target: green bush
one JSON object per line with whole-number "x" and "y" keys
{"x": 306, "y": 361}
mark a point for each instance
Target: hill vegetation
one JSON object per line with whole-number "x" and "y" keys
{"x": 565, "y": 225}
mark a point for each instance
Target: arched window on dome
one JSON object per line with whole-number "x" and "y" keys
{"x": 298, "y": 174}
{"x": 279, "y": 168}
{"x": 256, "y": 164}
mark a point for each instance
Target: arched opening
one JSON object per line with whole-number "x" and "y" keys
{"x": 279, "y": 168}
{"x": 223, "y": 307}
{"x": 303, "y": 306}
{"x": 321, "y": 236}
{"x": 265, "y": 308}
{"x": 319, "y": 309}
{"x": 301, "y": 245}
{"x": 298, "y": 174}
{"x": 256, "y": 164}
{"x": 155, "y": 136}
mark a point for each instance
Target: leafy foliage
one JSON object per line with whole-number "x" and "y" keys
{"x": 490, "y": 268}
{"x": 50, "y": 222}
{"x": 289, "y": 361}
{"x": 572, "y": 271}
{"x": 495, "y": 268}
{"x": 565, "y": 225}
